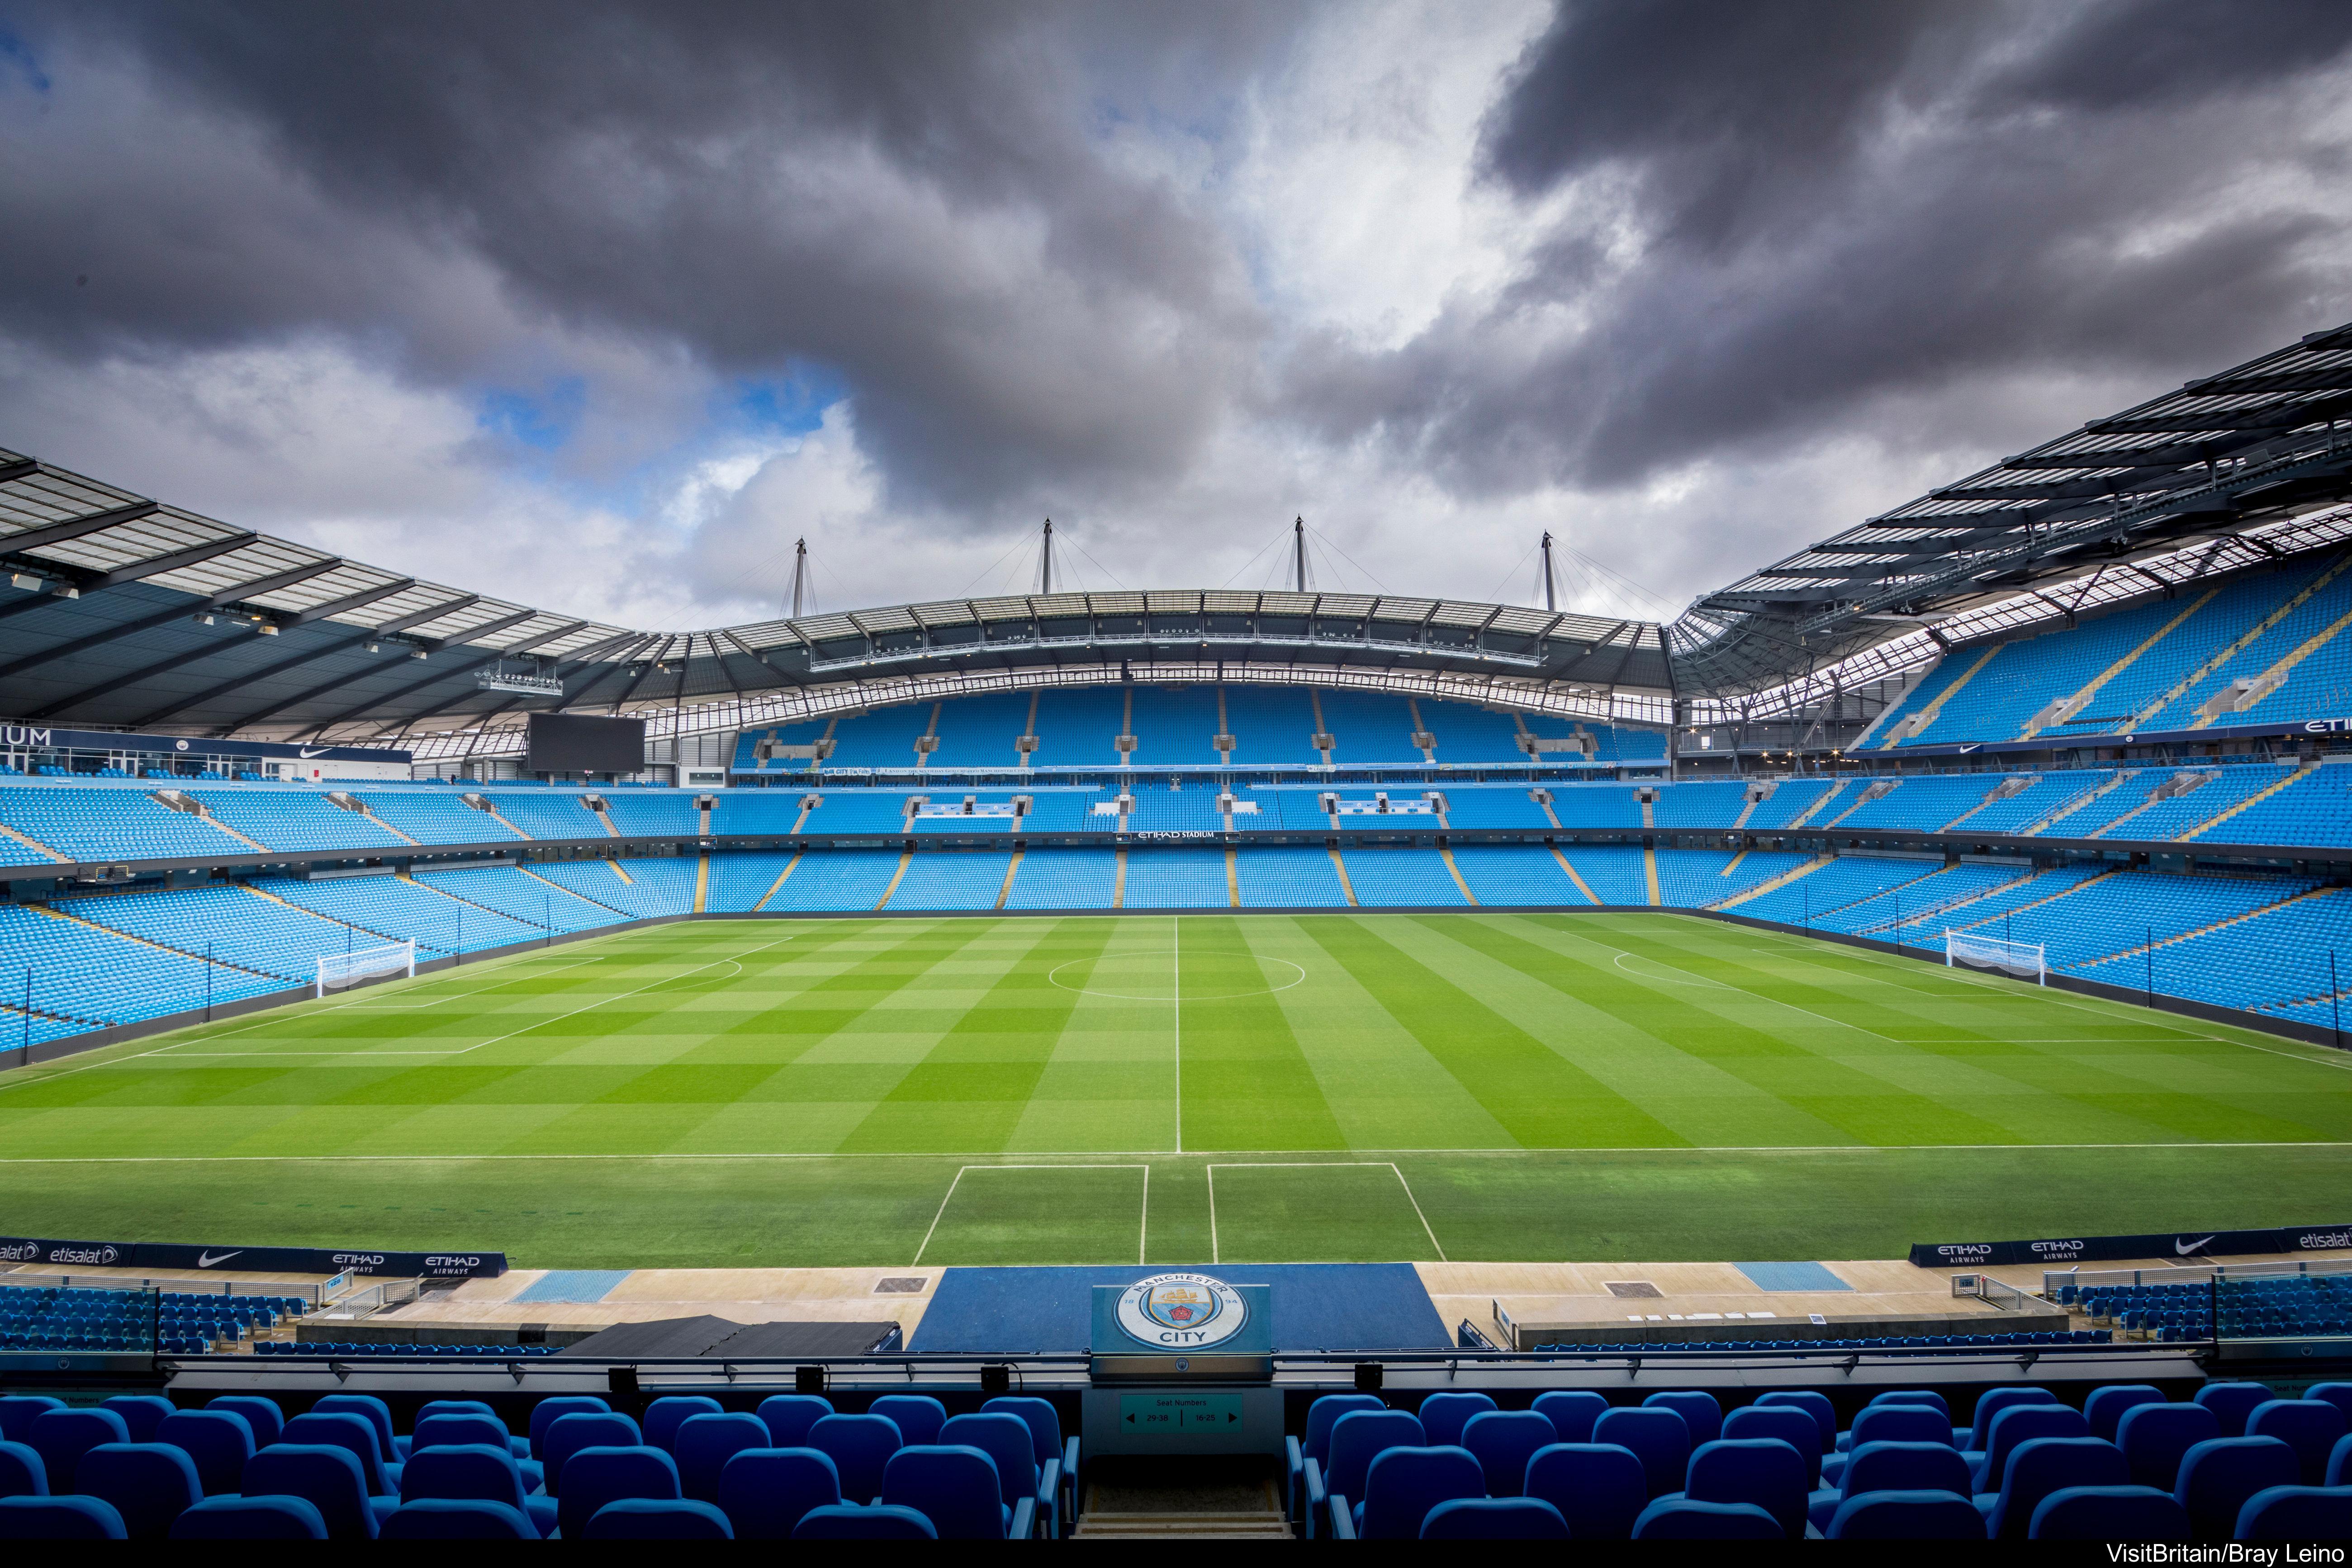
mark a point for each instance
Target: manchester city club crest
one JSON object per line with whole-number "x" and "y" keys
{"x": 1181, "y": 1312}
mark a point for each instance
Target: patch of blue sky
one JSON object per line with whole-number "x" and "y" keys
{"x": 544, "y": 420}
{"x": 16, "y": 62}
{"x": 794, "y": 404}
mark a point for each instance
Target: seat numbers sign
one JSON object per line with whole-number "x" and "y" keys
{"x": 1178, "y": 1412}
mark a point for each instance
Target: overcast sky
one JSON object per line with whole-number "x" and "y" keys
{"x": 599, "y": 307}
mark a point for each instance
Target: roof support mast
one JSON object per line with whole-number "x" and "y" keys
{"x": 1551, "y": 595}
{"x": 1046, "y": 562}
{"x": 1298, "y": 552}
{"x": 800, "y": 574}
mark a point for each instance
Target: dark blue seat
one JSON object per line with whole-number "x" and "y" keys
{"x": 218, "y": 1441}
{"x": 1876, "y": 1467}
{"x": 475, "y": 1472}
{"x": 1785, "y": 1423}
{"x": 1660, "y": 1439}
{"x": 1442, "y": 1416}
{"x": 664, "y": 1415}
{"x": 1006, "y": 1440}
{"x": 1503, "y": 1441}
{"x": 844, "y": 1522}
{"x": 1046, "y": 1428}
{"x": 1702, "y": 1414}
{"x": 958, "y": 1486}
{"x": 657, "y": 1518}
{"x": 1400, "y": 1486}
{"x": 1495, "y": 1519}
{"x": 250, "y": 1519}
{"x": 1599, "y": 1489}
{"x": 917, "y": 1416}
{"x": 2339, "y": 1464}
{"x": 22, "y": 1473}
{"x": 150, "y": 1484}
{"x": 2044, "y": 1465}
{"x": 260, "y": 1412}
{"x": 611, "y": 1475}
{"x": 859, "y": 1447}
{"x": 2296, "y": 1513}
{"x": 789, "y": 1417}
{"x": 326, "y": 1476}
{"x": 2108, "y": 1513}
{"x": 2232, "y": 1403}
{"x": 1680, "y": 1519}
{"x": 474, "y": 1429}
{"x": 1816, "y": 1405}
{"x": 2220, "y": 1474}
{"x": 1571, "y": 1413}
{"x": 1765, "y": 1471}
{"x": 764, "y": 1492}
{"x": 368, "y": 1408}
{"x": 458, "y": 1519}
{"x": 19, "y": 1411}
{"x": 439, "y": 1411}
{"x": 2023, "y": 1424}
{"x": 547, "y": 1412}
{"x": 1906, "y": 1515}
{"x": 62, "y": 1436}
{"x": 1904, "y": 1423}
{"x": 2312, "y": 1428}
{"x": 570, "y": 1435}
{"x": 141, "y": 1413}
{"x": 2106, "y": 1406}
{"x": 59, "y": 1519}
{"x": 345, "y": 1429}
{"x": 1358, "y": 1438}
{"x": 705, "y": 1443}
{"x": 2339, "y": 1394}
{"x": 2155, "y": 1436}
{"x": 1992, "y": 1402}
{"x": 1315, "y": 1445}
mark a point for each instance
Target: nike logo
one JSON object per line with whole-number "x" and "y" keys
{"x": 2183, "y": 1250}
{"x": 307, "y": 753}
{"x": 206, "y": 1259}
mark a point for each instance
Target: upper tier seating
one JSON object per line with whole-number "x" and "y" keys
{"x": 295, "y": 819}
{"x": 431, "y": 816}
{"x": 1473, "y": 807}
{"x": 92, "y": 824}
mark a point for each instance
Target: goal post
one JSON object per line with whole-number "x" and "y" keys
{"x": 339, "y": 970}
{"x": 2026, "y": 960}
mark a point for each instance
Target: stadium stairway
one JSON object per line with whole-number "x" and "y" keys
{"x": 1772, "y": 886}
{"x": 57, "y": 914}
{"x": 2067, "y": 891}
{"x": 34, "y": 845}
{"x": 2175, "y": 940}
{"x": 2220, "y": 661}
{"x": 1813, "y": 809}
{"x": 2293, "y": 776}
{"x": 585, "y": 897}
{"x": 1922, "y": 719}
{"x": 322, "y": 914}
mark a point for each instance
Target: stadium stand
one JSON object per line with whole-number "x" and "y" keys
{"x": 431, "y": 816}
{"x": 1176, "y": 880}
{"x": 1476, "y": 806}
{"x": 836, "y": 880}
{"x": 1065, "y": 880}
{"x": 953, "y": 880}
{"x": 1401, "y": 878}
{"x": 740, "y": 882}
{"x": 1288, "y": 877}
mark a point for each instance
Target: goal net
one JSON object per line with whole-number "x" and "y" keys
{"x": 338, "y": 970}
{"x": 2024, "y": 959}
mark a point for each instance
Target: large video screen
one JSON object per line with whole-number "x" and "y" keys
{"x": 573, "y": 744}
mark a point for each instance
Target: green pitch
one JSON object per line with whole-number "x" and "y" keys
{"x": 1214, "y": 1087}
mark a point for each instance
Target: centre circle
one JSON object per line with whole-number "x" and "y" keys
{"x": 1210, "y": 975}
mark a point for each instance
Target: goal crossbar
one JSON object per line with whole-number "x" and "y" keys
{"x": 2022, "y": 959}
{"x": 338, "y": 970}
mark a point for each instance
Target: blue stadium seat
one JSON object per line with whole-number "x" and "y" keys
{"x": 664, "y": 1415}
{"x": 141, "y": 1413}
{"x": 1992, "y": 1402}
{"x": 545, "y": 1414}
{"x": 2155, "y": 1436}
{"x": 2232, "y": 1403}
{"x": 458, "y": 1519}
{"x": 2220, "y": 1474}
{"x": 1313, "y": 1451}
{"x": 764, "y": 1492}
{"x": 2023, "y": 1424}
{"x": 328, "y": 1477}
{"x": 1906, "y": 1515}
{"x": 1810, "y": 1401}
{"x": 1503, "y": 1441}
{"x": 1764, "y": 1471}
{"x": 1789, "y": 1424}
{"x": 1571, "y": 1413}
{"x": 260, "y": 1412}
{"x": 19, "y": 1411}
{"x": 1599, "y": 1489}
{"x": 1045, "y": 1431}
{"x": 1400, "y": 1486}
{"x": 2312, "y": 1428}
{"x": 250, "y": 1519}
{"x": 2106, "y": 1406}
{"x": 569, "y": 1435}
{"x": 59, "y": 1519}
{"x": 1889, "y": 1467}
{"x": 608, "y": 1475}
{"x": 22, "y": 1473}
{"x": 470, "y": 1472}
{"x": 218, "y": 1441}
{"x": 789, "y": 1417}
{"x": 1493, "y": 1518}
{"x": 2108, "y": 1513}
{"x": 2296, "y": 1513}
{"x": 658, "y": 1519}
{"x": 847, "y": 1521}
{"x": 917, "y": 1416}
{"x": 959, "y": 1488}
{"x": 1701, "y": 1414}
{"x": 859, "y": 1447}
{"x": 1011, "y": 1447}
{"x": 62, "y": 1436}
{"x": 1442, "y": 1416}
{"x": 343, "y": 1429}
{"x": 374, "y": 1412}
{"x": 2040, "y": 1466}
{"x": 1358, "y": 1437}
{"x": 150, "y": 1484}
{"x": 703, "y": 1444}
{"x": 1660, "y": 1439}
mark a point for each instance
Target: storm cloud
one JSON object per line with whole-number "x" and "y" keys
{"x": 601, "y": 305}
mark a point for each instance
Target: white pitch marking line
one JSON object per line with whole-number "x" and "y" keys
{"x": 1176, "y": 995}
{"x": 962, "y": 1170}
{"x": 1390, "y": 1165}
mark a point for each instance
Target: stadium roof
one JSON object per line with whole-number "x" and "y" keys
{"x": 117, "y": 611}
{"x": 2224, "y": 453}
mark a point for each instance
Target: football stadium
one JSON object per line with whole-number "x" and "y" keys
{"x": 784, "y": 1076}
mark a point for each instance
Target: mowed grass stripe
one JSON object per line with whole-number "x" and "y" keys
{"x": 1247, "y": 1081}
